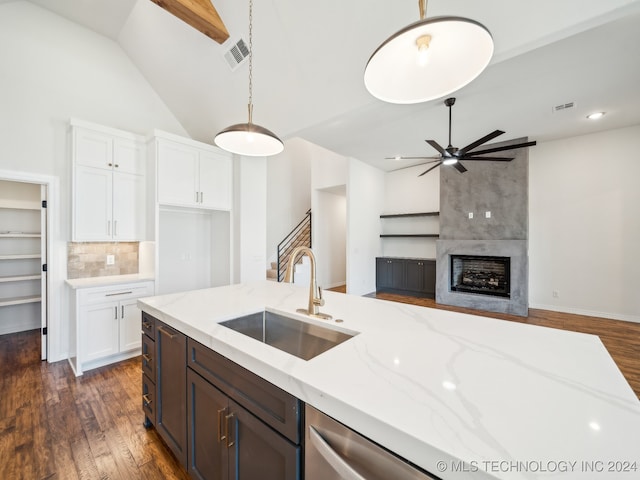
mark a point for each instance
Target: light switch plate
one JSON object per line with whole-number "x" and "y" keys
{"x": 487, "y": 214}
{"x": 111, "y": 259}
{"x": 470, "y": 214}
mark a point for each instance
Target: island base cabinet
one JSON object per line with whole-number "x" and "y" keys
{"x": 171, "y": 392}
{"x": 228, "y": 442}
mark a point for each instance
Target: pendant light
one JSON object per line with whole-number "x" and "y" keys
{"x": 248, "y": 138}
{"x": 428, "y": 59}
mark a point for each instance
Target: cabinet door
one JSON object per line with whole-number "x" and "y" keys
{"x": 414, "y": 275}
{"x": 93, "y": 149}
{"x": 383, "y": 273}
{"x": 257, "y": 451}
{"x": 215, "y": 180}
{"x": 171, "y": 389}
{"x": 128, "y": 156}
{"x": 207, "y": 408}
{"x": 177, "y": 174}
{"x": 429, "y": 286}
{"x": 100, "y": 330}
{"x": 129, "y": 315}
{"x": 92, "y": 204}
{"x": 398, "y": 274}
{"x": 128, "y": 207}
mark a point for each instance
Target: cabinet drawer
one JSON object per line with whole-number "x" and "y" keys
{"x": 149, "y": 326}
{"x": 148, "y": 356}
{"x": 88, "y": 296}
{"x": 271, "y": 404}
{"x": 149, "y": 398}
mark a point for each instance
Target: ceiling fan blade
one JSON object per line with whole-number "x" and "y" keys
{"x": 480, "y": 141}
{"x": 437, "y": 146}
{"x": 506, "y": 147}
{"x": 458, "y": 166}
{"x": 492, "y": 159}
{"x": 429, "y": 169}
{"x": 437, "y": 157}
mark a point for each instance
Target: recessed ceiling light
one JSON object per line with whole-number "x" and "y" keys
{"x": 595, "y": 115}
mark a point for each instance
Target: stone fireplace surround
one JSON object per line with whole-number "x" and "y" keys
{"x": 497, "y": 194}
{"x": 516, "y": 304}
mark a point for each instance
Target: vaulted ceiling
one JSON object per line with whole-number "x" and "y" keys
{"x": 309, "y": 59}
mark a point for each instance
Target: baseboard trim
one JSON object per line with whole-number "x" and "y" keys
{"x": 588, "y": 313}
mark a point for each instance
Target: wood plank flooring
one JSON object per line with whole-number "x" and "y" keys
{"x": 56, "y": 426}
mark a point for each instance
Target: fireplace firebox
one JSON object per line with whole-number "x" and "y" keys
{"x": 483, "y": 275}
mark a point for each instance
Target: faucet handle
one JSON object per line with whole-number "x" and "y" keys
{"x": 319, "y": 301}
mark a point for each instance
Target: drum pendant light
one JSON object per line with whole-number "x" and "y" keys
{"x": 428, "y": 59}
{"x": 248, "y": 138}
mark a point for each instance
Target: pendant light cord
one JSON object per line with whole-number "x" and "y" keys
{"x": 250, "y": 106}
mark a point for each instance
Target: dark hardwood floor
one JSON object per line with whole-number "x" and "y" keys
{"x": 56, "y": 426}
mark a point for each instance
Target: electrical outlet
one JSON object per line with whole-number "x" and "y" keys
{"x": 487, "y": 214}
{"x": 470, "y": 214}
{"x": 111, "y": 259}
{"x": 555, "y": 294}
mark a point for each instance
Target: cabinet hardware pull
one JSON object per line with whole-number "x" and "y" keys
{"x": 146, "y": 325}
{"x": 196, "y": 197}
{"x": 119, "y": 293}
{"x": 201, "y": 197}
{"x": 109, "y": 228}
{"x": 115, "y": 228}
{"x": 116, "y": 165}
{"x": 122, "y": 311}
{"x": 221, "y": 436}
{"x": 229, "y": 418}
{"x": 167, "y": 333}
{"x": 110, "y": 164}
{"x": 146, "y": 399}
{"x": 116, "y": 309}
{"x": 146, "y": 357}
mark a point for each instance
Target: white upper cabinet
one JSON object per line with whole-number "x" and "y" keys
{"x": 191, "y": 174}
{"x": 108, "y": 184}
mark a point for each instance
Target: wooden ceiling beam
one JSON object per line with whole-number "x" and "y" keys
{"x": 200, "y": 14}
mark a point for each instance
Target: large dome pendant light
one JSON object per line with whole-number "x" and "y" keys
{"x": 428, "y": 59}
{"x": 248, "y": 138}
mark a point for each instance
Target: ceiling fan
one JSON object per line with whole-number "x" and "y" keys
{"x": 452, "y": 155}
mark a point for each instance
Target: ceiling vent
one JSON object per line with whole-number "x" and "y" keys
{"x": 237, "y": 54}
{"x": 563, "y": 106}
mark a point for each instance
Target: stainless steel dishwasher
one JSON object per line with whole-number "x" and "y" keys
{"x": 333, "y": 451}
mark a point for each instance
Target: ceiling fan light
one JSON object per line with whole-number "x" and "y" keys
{"x": 460, "y": 47}
{"x": 250, "y": 140}
{"x": 449, "y": 161}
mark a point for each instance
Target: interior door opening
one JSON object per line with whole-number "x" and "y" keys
{"x": 23, "y": 259}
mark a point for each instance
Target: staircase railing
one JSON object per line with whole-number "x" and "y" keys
{"x": 299, "y": 236}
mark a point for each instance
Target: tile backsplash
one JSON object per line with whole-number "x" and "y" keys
{"x": 90, "y": 259}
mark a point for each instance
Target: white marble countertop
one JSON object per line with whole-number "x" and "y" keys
{"x": 108, "y": 280}
{"x": 511, "y": 401}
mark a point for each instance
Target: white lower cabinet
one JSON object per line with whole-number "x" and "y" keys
{"x": 106, "y": 324}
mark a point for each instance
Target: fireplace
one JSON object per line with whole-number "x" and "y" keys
{"x": 483, "y": 275}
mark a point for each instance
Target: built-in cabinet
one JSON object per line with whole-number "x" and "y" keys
{"x": 193, "y": 175}
{"x": 220, "y": 420}
{"x": 109, "y": 184}
{"x": 414, "y": 276}
{"x": 105, "y": 324}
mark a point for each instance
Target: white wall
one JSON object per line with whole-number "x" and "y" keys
{"x": 584, "y": 224}
{"x": 51, "y": 70}
{"x": 406, "y": 192}
{"x": 288, "y": 191}
{"x": 330, "y": 238}
{"x": 250, "y": 217}
{"x": 365, "y": 203}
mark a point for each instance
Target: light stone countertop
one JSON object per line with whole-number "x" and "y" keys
{"x": 109, "y": 280}
{"x": 439, "y": 388}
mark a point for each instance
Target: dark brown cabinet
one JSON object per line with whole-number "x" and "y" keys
{"x": 412, "y": 276}
{"x": 171, "y": 392}
{"x": 228, "y": 442}
{"x": 148, "y": 369}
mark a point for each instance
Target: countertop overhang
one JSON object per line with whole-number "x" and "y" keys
{"x": 462, "y": 396}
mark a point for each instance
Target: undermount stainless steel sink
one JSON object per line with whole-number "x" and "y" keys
{"x": 302, "y": 339}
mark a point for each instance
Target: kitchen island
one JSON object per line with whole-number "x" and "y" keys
{"x": 461, "y": 396}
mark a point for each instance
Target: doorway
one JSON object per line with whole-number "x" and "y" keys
{"x": 330, "y": 236}
{"x": 23, "y": 259}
